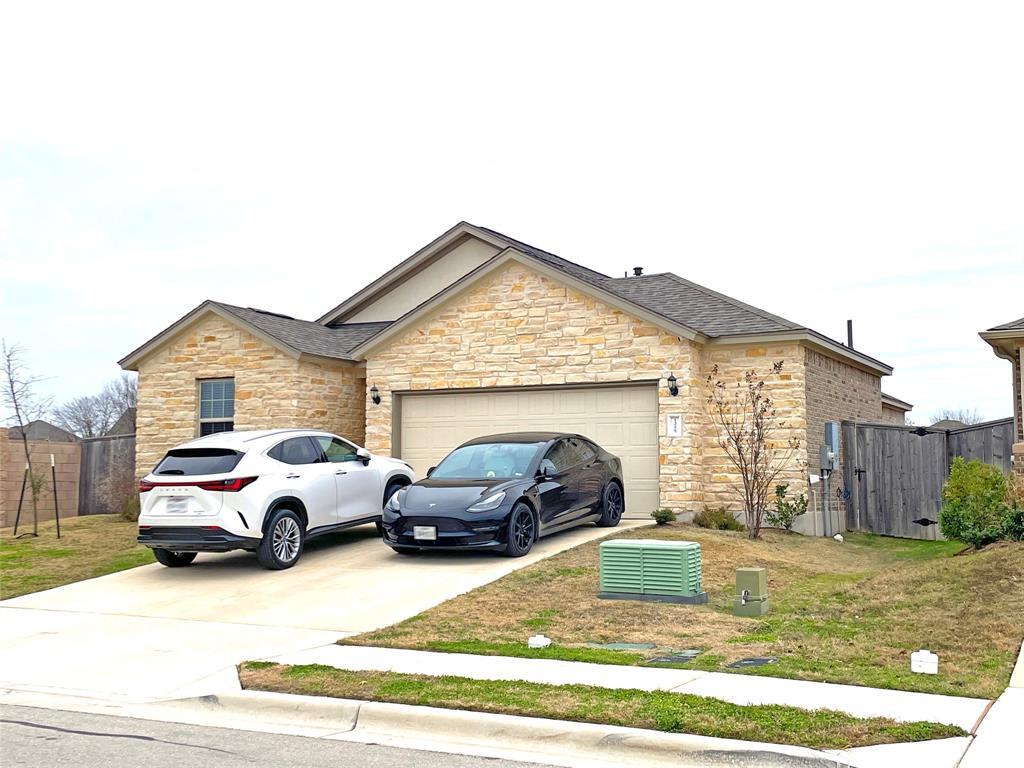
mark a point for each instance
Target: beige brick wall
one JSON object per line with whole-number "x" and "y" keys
{"x": 837, "y": 391}
{"x": 721, "y": 480}
{"x": 893, "y": 415}
{"x": 519, "y": 328}
{"x": 67, "y": 457}
{"x": 272, "y": 389}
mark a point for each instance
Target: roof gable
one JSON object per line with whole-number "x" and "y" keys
{"x": 292, "y": 336}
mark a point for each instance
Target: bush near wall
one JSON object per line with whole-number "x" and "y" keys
{"x": 979, "y": 505}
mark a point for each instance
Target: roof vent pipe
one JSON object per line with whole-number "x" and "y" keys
{"x": 849, "y": 333}
{"x": 637, "y": 271}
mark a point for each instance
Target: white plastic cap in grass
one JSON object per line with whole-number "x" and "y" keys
{"x": 839, "y": 537}
{"x": 538, "y": 641}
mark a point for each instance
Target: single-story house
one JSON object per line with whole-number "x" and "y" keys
{"x": 478, "y": 333}
{"x": 1007, "y": 341}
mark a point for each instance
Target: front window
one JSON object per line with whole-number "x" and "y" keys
{"x": 336, "y": 450}
{"x": 216, "y": 406}
{"x": 486, "y": 460}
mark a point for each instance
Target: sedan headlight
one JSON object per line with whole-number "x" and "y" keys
{"x": 491, "y": 502}
{"x": 395, "y": 502}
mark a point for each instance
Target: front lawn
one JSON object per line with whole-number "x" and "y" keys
{"x": 92, "y": 545}
{"x": 845, "y": 613}
{"x": 659, "y": 710}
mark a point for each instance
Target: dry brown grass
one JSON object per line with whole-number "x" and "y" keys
{"x": 89, "y": 546}
{"x": 848, "y": 612}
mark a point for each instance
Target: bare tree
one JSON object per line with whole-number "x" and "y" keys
{"x": 94, "y": 415}
{"x": 965, "y": 415}
{"x": 25, "y": 406}
{"x": 748, "y": 423}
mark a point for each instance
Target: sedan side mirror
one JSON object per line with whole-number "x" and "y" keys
{"x": 363, "y": 455}
{"x": 431, "y": 471}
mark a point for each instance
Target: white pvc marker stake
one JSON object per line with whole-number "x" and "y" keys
{"x": 52, "y": 462}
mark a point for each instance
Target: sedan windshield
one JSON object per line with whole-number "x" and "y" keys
{"x": 486, "y": 460}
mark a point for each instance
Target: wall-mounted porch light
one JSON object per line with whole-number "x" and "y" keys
{"x": 673, "y": 387}
{"x": 375, "y": 395}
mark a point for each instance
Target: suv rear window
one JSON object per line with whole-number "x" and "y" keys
{"x": 198, "y": 461}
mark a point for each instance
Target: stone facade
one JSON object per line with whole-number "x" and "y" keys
{"x": 837, "y": 391}
{"x": 272, "y": 389}
{"x": 721, "y": 480}
{"x": 519, "y": 328}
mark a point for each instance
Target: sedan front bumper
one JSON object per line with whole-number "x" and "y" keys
{"x": 467, "y": 531}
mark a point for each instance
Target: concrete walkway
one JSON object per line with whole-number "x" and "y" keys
{"x": 739, "y": 689}
{"x": 998, "y": 741}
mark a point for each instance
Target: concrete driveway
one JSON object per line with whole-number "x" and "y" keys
{"x": 155, "y": 632}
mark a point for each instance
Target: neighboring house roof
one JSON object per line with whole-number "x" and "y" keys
{"x": 948, "y": 424}
{"x": 1013, "y": 325}
{"x": 43, "y": 431}
{"x": 679, "y": 305}
{"x": 125, "y": 424}
{"x": 895, "y": 403}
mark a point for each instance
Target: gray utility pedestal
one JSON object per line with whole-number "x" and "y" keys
{"x": 751, "y": 592}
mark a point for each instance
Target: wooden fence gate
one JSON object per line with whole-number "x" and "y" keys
{"x": 893, "y": 475}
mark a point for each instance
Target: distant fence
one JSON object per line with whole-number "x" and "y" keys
{"x": 893, "y": 475}
{"x": 107, "y": 473}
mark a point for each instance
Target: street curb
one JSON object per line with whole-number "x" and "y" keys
{"x": 480, "y": 733}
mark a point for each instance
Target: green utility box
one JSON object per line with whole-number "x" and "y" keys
{"x": 751, "y": 592}
{"x": 651, "y": 569}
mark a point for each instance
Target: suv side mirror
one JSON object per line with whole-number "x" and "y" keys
{"x": 543, "y": 470}
{"x": 363, "y": 455}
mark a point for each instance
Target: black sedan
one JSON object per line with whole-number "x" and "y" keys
{"x": 506, "y": 491}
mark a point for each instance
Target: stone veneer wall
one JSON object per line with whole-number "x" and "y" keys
{"x": 837, "y": 391}
{"x": 721, "y": 480}
{"x": 519, "y": 328}
{"x": 272, "y": 389}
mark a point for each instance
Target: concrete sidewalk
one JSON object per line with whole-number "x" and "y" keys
{"x": 903, "y": 706}
{"x": 998, "y": 741}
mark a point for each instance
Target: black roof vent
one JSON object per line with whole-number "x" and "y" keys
{"x": 637, "y": 271}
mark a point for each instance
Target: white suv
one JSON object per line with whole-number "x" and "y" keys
{"x": 263, "y": 491}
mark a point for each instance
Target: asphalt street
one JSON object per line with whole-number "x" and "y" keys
{"x": 51, "y": 738}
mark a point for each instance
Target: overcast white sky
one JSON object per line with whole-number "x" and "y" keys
{"x": 823, "y": 161}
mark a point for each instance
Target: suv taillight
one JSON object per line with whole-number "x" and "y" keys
{"x": 230, "y": 486}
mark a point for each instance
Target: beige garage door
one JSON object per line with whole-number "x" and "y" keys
{"x": 622, "y": 420}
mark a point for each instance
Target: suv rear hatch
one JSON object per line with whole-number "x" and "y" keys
{"x": 188, "y": 482}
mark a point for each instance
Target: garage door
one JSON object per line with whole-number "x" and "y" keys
{"x": 623, "y": 420}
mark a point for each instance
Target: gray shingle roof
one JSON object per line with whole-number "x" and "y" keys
{"x": 671, "y": 296}
{"x": 697, "y": 307}
{"x": 306, "y": 335}
{"x": 1013, "y": 325}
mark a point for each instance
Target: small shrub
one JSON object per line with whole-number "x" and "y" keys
{"x": 974, "y": 506}
{"x": 130, "y": 508}
{"x": 786, "y": 512}
{"x": 1013, "y": 521}
{"x": 718, "y": 519}
{"x": 663, "y": 516}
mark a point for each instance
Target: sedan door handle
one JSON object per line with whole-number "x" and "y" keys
{"x": 341, "y": 472}
{"x": 293, "y": 477}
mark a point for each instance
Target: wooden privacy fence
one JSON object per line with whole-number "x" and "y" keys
{"x": 107, "y": 473}
{"x": 893, "y": 475}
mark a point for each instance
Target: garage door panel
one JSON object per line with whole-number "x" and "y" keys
{"x": 623, "y": 420}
